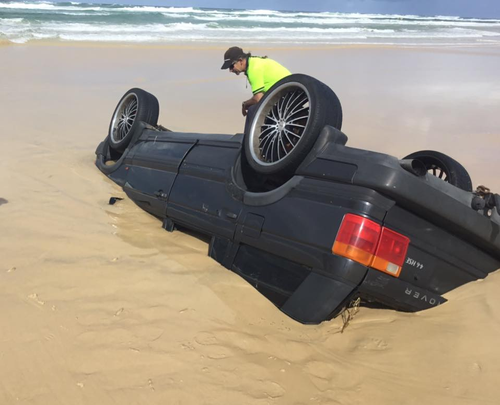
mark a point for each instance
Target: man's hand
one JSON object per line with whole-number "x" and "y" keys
{"x": 250, "y": 102}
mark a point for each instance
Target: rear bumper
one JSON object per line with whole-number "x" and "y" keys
{"x": 308, "y": 295}
{"x": 396, "y": 293}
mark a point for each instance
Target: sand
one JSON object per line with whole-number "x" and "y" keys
{"x": 99, "y": 305}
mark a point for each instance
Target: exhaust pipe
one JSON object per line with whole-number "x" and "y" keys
{"x": 414, "y": 166}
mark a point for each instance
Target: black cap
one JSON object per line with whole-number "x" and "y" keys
{"x": 232, "y": 55}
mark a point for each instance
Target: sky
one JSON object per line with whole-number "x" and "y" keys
{"x": 462, "y": 8}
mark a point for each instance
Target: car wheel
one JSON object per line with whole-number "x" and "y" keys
{"x": 440, "y": 165}
{"x": 287, "y": 123}
{"x": 135, "y": 106}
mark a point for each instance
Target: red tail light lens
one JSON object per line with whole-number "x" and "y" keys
{"x": 357, "y": 239}
{"x": 391, "y": 252}
{"x": 368, "y": 243}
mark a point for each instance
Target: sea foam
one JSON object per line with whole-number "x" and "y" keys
{"x": 21, "y": 22}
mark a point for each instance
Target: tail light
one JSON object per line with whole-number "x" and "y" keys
{"x": 368, "y": 243}
{"x": 357, "y": 239}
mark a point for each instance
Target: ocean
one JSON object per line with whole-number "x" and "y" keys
{"x": 22, "y": 22}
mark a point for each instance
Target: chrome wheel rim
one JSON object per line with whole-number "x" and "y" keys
{"x": 279, "y": 124}
{"x": 438, "y": 172}
{"x": 124, "y": 117}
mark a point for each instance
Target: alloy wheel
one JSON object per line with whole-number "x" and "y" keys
{"x": 280, "y": 123}
{"x": 124, "y": 118}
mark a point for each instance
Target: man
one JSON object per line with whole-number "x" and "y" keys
{"x": 262, "y": 74}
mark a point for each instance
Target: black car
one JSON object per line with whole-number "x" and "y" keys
{"x": 309, "y": 222}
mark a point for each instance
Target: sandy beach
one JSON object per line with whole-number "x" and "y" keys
{"x": 101, "y": 306}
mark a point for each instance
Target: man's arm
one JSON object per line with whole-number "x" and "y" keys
{"x": 250, "y": 102}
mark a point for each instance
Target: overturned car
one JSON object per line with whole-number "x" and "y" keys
{"x": 309, "y": 222}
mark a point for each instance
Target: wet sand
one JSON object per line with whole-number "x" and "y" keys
{"x": 100, "y": 305}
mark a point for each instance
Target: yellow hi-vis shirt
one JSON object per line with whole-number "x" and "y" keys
{"x": 263, "y": 73}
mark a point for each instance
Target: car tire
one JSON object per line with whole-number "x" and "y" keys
{"x": 136, "y": 105}
{"x": 440, "y": 165}
{"x": 287, "y": 122}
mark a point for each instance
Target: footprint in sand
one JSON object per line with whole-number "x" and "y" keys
{"x": 319, "y": 369}
{"x": 476, "y": 368}
{"x": 187, "y": 346}
{"x": 374, "y": 344}
{"x": 211, "y": 347}
{"x": 35, "y": 298}
{"x": 205, "y": 338}
{"x": 218, "y": 352}
{"x": 267, "y": 389}
{"x": 324, "y": 375}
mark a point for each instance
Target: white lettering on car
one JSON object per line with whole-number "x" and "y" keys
{"x": 414, "y": 263}
{"x": 417, "y": 295}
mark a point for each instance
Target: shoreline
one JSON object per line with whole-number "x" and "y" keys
{"x": 187, "y": 45}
